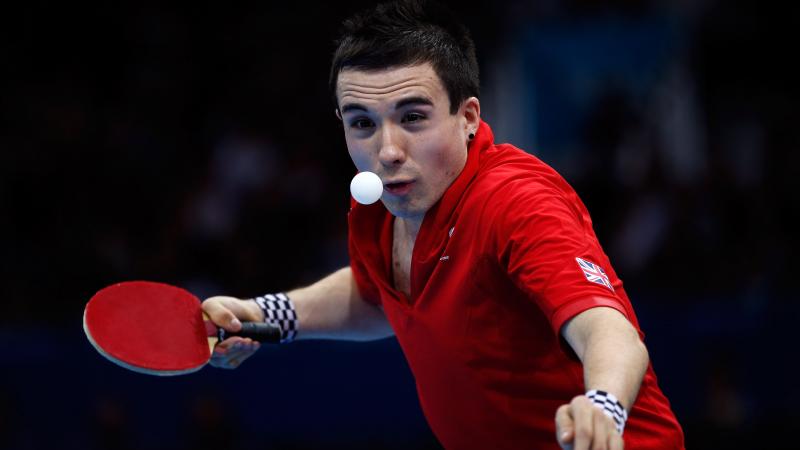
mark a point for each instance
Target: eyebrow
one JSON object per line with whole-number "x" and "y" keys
{"x": 400, "y": 104}
{"x": 413, "y": 101}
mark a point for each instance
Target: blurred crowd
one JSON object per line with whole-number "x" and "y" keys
{"x": 199, "y": 147}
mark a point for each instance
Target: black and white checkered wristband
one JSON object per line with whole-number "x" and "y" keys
{"x": 610, "y": 406}
{"x": 279, "y": 310}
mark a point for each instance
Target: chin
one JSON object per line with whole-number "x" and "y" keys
{"x": 404, "y": 210}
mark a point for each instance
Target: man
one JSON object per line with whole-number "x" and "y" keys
{"x": 479, "y": 258}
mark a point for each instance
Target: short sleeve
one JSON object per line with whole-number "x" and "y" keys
{"x": 546, "y": 245}
{"x": 366, "y": 288}
{"x": 358, "y": 260}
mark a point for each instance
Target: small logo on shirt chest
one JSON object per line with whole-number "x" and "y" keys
{"x": 449, "y": 235}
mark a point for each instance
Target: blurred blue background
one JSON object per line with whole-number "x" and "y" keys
{"x": 198, "y": 146}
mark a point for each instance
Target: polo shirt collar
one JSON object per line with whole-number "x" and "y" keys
{"x": 439, "y": 214}
{"x": 439, "y": 219}
{"x": 373, "y": 223}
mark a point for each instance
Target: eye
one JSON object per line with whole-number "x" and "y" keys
{"x": 413, "y": 117}
{"x": 362, "y": 123}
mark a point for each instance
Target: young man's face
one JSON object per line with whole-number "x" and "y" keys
{"x": 397, "y": 123}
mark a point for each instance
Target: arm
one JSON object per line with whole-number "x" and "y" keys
{"x": 614, "y": 360}
{"x": 331, "y": 308}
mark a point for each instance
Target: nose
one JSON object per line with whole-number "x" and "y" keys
{"x": 392, "y": 151}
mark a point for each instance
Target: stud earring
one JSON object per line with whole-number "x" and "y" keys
{"x": 471, "y": 136}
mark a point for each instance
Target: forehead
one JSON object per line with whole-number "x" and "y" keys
{"x": 357, "y": 85}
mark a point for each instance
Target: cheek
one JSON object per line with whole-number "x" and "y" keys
{"x": 430, "y": 156}
{"x": 450, "y": 162}
{"x": 450, "y": 166}
{"x": 451, "y": 154}
{"x": 359, "y": 156}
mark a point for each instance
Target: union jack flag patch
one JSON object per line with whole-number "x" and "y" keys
{"x": 594, "y": 273}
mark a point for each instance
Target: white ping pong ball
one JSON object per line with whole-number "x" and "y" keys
{"x": 366, "y": 188}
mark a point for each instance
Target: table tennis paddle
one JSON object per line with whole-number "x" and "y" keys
{"x": 158, "y": 329}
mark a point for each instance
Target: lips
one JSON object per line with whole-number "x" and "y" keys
{"x": 398, "y": 188}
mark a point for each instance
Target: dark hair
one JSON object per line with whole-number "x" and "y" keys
{"x": 409, "y": 32}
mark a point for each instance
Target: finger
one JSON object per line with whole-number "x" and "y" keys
{"x": 219, "y": 361}
{"x": 582, "y": 412}
{"x": 221, "y": 315}
{"x": 228, "y": 363}
{"x": 232, "y": 352}
{"x": 615, "y": 441}
{"x": 240, "y": 356}
{"x": 223, "y": 351}
{"x": 564, "y": 427}
{"x": 246, "y": 310}
{"x": 246, "y": 346}
{"x": 602, "y": 426}
{"x": 229, "y": 360}
{"x": 221, "y": 357}
{"x": 228, "y": 344}
{"x": 236, "y": 358}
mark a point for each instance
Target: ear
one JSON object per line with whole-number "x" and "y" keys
{"x": 471, "y": 112}
{"x": 338, "y": 113}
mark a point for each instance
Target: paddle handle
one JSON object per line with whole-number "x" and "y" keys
{"x": 258, "y": 331}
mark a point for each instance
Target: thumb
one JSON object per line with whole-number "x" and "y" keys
{"x": 565, "y": 430}
{"x": 234, "y": 324}
{"x": 227, "y": 320}
{"x": 566, "y": 437}
{"x": 222, "y": 316}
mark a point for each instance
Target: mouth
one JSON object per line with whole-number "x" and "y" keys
{"x": 399, "y": 187}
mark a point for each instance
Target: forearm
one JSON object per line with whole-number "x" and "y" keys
{"x": 333, "y": 309}
{"x": 614, "y": 358}
{"x": 615, "y": 363}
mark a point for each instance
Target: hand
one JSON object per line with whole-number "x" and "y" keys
{"x": 226, "y": 312}
{"x": 580, "y": 425}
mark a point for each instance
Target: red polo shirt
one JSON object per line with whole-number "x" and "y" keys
{"x": 501, "y": 262}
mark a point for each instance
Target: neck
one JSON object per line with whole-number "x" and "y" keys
{"x": 410, "y": 226}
